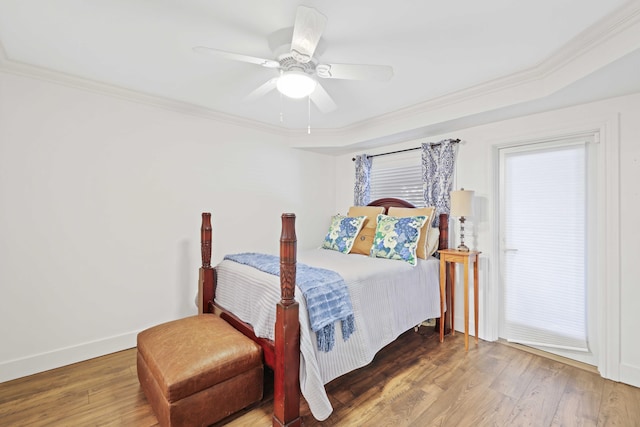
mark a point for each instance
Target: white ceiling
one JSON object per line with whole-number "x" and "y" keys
{"x": 438, "y": 50}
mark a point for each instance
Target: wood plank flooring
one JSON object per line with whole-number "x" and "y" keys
{"x": 415, "y": 381}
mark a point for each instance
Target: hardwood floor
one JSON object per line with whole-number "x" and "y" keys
{"x": 416, "y": 381}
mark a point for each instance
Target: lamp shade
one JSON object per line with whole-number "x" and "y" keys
{"x": 296, "y": 84}
{"x": 462, "y": 202}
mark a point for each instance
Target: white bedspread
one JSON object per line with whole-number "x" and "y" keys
{"x": 388, "y": 296}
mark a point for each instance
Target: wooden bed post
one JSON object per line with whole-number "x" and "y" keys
{"x": 206, "y": 280}
{"x": 443, "y": 243}
{"x": 286, "y": 387}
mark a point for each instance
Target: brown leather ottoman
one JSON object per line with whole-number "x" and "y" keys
{"x": 198, "y": 370}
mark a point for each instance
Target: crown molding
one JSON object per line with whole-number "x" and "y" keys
{"x": 621, "y": 20}
{"x": 72, "y": 81}
{"x": 535, "y": 82}
{"x": 400, "y": 125}
{"x": 617, "y": 23}
{"x": 75, "y": 82}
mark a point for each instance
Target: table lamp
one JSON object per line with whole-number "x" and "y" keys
{"x": 462, "y": 206}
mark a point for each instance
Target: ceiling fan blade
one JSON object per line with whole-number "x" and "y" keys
{"x": 262, "y": 90}
{"x": 306, "y": 33}
{"x": 354, "y": 72}
{"x": 323, "y": 100}
{"x": 269, "y": 63}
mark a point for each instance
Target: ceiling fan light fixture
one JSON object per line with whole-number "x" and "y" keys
{"x": 296, "y": 84}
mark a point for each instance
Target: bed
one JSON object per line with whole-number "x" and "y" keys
{"x": 391, "y": 298}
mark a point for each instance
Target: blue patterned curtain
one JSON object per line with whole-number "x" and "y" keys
{"x": 362, "y": 188}
{"x": 438, "y": 165}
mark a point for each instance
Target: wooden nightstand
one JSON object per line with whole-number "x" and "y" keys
{"x": 453, "y": 256}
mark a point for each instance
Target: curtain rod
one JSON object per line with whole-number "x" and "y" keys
{"x": 433, "y": 144}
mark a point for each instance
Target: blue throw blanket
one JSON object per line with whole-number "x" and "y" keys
{"x": 325, "y": 292}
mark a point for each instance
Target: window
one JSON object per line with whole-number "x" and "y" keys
{"x": 398, "y": 175}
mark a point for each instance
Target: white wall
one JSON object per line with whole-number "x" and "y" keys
{"x": 100, "y": 202}
{"x": 475, "y": 170}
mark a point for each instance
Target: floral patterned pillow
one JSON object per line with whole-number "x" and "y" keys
{"x": 342, "y": 233}
{"x": 397, "y": 238}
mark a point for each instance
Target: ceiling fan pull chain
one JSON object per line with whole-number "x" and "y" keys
{"x": 309, "y": 115}
{"x": 281, "y": 113}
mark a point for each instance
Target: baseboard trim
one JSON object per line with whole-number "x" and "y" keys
{"x": 30, "y": 365}
{"x": 630, "y": 374}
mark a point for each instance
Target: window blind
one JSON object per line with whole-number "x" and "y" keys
{"x": 544, "y": 258}
{"x": 398, "y": 175}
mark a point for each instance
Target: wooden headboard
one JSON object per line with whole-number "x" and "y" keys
{"x": 389, "y": 202}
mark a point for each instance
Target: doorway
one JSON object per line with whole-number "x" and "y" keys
{"x": 547, "y": 224}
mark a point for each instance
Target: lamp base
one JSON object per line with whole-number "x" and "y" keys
{"x": 462, "y": 247}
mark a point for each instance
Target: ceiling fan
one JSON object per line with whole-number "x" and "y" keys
{"x": 298, "y": 67}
